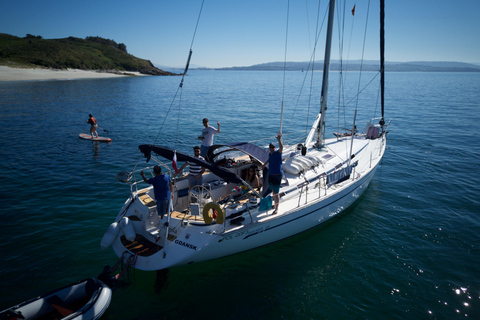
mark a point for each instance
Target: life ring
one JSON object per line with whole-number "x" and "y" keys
{"x": 207, "y": 217}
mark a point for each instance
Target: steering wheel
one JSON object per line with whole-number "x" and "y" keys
{"x": 202, "y": 194}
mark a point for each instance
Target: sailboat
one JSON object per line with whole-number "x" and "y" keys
{"x": 227, "y": 215}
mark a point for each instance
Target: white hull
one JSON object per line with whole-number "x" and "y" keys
{"x": 214, "y": 221}
{"x": 287, "y": 225}
{"x": 191, "y": 240}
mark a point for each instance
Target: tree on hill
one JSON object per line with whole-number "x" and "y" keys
{"x": 31, "y": 36}
{"x": 122, "y": 47}
{"x": 108, "y": 42}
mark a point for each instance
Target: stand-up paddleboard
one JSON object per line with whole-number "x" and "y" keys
{"x": 89, "y": 137}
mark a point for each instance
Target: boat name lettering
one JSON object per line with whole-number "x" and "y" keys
{"x": 245, "y": 233}
{"x": 187, "y": 245}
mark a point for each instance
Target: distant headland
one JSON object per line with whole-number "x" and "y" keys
{"x": 89, "y": 54}
{"x": 107, "y": 56}
{"x": 366, "y": 65}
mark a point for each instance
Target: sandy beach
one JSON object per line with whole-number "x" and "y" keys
{"x": 19, "y": 74}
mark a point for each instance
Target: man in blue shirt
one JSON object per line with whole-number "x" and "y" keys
{"x": 162, "y": 188}
{"x": 275, "y": 171}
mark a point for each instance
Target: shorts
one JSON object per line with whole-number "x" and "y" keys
{"x": 274, "y": 182}
{"x": 204, "y": 150}
{"x": 162, "y": 207}
{"x": 194, "y": 182}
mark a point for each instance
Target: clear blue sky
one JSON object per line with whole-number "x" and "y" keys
{"x": 247, "y": 32}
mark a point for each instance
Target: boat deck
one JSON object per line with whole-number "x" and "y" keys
{"x": 185, "y": 216}
{"x": 141, "y": 246}
{"x": 145, "y": 198}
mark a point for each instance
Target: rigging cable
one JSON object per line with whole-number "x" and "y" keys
{"x": 309, "y": 104}
{"x": 317, "y": 36}
{"x": 341, "y": 33}
{"x": 344, "y": 67}
{"x": 310, "y": 68}
{"x": 363, "y": 55}
{"x": 318, "y": 29}
{"x": 284, "y": 66}
{"x": 344, "y": 77}
{"x": 382, "y": 56}
{"x": 326, "y": 70}
{"x": 341, "y": 84}
{"x": 181, "y": 82}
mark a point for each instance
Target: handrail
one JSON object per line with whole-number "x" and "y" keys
{"x": 150, "y": 169}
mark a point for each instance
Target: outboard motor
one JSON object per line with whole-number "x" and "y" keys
{"x": 124, "y": 176}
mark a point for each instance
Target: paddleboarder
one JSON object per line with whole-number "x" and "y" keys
{"x": 93, "y": 125}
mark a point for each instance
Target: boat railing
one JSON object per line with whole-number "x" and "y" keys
{"x": 320, "y": 182}
{"x": 135, "y": 182}
{"x": 375, "y": 120}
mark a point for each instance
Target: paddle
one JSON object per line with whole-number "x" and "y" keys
{"x": 102, "y": 129}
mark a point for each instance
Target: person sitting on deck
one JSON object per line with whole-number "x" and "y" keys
{"x": 251, "y": 178}
{"x": 354, "y": 131}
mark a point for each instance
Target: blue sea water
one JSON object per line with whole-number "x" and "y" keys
{"x": 408, "y": 249}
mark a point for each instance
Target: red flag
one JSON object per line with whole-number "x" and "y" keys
{"x": 353, "y": 10}
{"x": 174, "y": 162}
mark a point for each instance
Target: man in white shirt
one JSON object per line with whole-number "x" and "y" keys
{"x": 207, "y": 136}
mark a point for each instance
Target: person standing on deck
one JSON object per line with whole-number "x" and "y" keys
{"x": 195, "y": 175}
{"x": 275, "y": 171}
{"x": 162, "y": 188}
{"x": 93, "y": 125}
{"x": 207, "y": 136}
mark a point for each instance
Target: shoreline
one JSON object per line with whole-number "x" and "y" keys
{"x": 37, "y": 74}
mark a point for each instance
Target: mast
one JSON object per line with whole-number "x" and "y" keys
{"x": 382, "y": 57}
{"x": 326, "y": 71}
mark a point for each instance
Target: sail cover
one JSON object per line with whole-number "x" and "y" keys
{"x": 251, "y": 149}
{"x": 167, "y": 153}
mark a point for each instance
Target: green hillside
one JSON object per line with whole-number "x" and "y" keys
{"x": 92, "y": 53}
